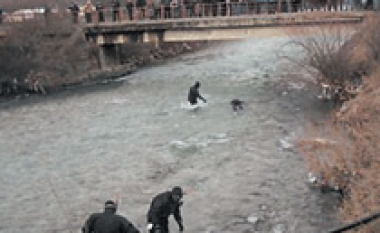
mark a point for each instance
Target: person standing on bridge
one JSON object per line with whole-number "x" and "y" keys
{"x": 167, "y": 9}
{"x": 116, "y": 10}
{"x": 174, "y": 6}
{"x": 108, "y": 222}
{"x": 129, "y": 6}
{"x": 194, "y": 94}
{"x": 47, "y": 11}
{"x": 157, "y": 9}
{"x": 162, "y": 206}
{"x": 88, "y": 10}
{"x": 74, "y": 11}
{"x": 99, "y": 8}
{"x": 190, "y": 7}
{"x": 141, "y": 5}
{"x": 1, "y": 15}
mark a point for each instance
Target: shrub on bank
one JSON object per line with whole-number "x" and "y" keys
{"x": 344, "y": 150}
{"x": 327, "y": 58}
{"x": 35, "y": 53}
{"x": 37, "y": 56}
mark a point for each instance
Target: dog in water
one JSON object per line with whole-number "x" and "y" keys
{"x": 237, "y": 104}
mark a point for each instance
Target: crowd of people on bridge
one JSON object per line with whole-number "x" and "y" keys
{"x": 158, "y": 9}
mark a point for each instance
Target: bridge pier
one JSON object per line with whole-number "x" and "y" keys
{"x": 156, "y": 38}
{"x": 109, "y": 55}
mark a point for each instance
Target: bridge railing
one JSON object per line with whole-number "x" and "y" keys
{"x": 219, "y": 9}
{"x": 172, "y": 12}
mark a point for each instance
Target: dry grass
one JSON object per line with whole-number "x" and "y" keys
{"x": 344, "y": 149}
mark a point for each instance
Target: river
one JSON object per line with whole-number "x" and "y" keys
{"x": 65, "y": 154}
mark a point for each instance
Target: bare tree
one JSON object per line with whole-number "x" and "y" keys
{"x": 325, "y": 58}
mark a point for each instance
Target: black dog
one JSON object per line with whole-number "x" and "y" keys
{"x": 237, "y": 104}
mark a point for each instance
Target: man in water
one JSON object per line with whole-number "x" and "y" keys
{"x": 163, "y": 205}
{"x": 108, "y": 222}
{"x": 194, "y": 94}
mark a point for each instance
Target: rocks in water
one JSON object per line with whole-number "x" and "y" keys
{"x": 186, "y": 46}
{"x": 278, "y": 228}
{"x": 253, "y": 218}
{"x": 285, "y": 145}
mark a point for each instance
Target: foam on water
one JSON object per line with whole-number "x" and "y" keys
{"x": 191, "y": 107}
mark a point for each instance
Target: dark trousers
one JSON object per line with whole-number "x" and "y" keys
{"x": 116, "y": 16}
{"x": 168, "y": 13}
{"x": 101, "y": 16}
{"x": 130, "y": 12}
{"x": 157, "y": 13}
{"x": 88, "y": 17}
{"x": 163, "y": 227}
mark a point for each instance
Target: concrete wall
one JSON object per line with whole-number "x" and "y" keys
{"x": 224, "y": 34}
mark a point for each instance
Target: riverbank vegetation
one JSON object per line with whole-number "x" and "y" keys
{"x": 343, "y": 151}
{"x": 43, "y": 55}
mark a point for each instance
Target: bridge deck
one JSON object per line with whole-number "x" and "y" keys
{"x": 225, "y": 22}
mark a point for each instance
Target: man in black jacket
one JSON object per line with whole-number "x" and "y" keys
{"x": 108, "y": 222}
{"x": 194, "y": 94}
{"x": 163, "y": 205}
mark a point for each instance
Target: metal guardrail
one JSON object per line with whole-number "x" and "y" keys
{"x": 219, "y": 9}
{"x": 172, "y": 12}
{"x": 357, "y": 223}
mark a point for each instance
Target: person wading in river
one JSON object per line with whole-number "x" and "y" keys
{"x": 163, "y": 205}
{"x": 194, "y": 94}
{"x": 108, "y": 222}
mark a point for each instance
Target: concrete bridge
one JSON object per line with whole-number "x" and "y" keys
{"x": 110, "y": 35}
{"x": 215, "y": 28}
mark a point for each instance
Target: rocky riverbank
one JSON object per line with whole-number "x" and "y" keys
{"x": 133, "y": 57}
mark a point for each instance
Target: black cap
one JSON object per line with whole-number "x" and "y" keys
{"x": 177, "y": 191}
{"x": 110, "y": 204}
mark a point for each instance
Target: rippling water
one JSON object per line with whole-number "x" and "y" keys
{"x": 62, "y": 156}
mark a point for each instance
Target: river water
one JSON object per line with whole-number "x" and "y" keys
{"x": 64, "y": 155}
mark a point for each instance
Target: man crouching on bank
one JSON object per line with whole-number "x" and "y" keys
{"x": 163, "y": 205}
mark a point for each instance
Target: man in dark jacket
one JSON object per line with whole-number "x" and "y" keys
{"x": 108, "y": 222}
{"x": 163, "y": 205}
{"x": 194, "y": 94}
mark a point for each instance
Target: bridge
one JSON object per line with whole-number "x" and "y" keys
{"x": 109, "y": 33}
{"x": 218, "y": 21}
{"x": 201, "y": 29}
{"x": 109, "y": 28}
